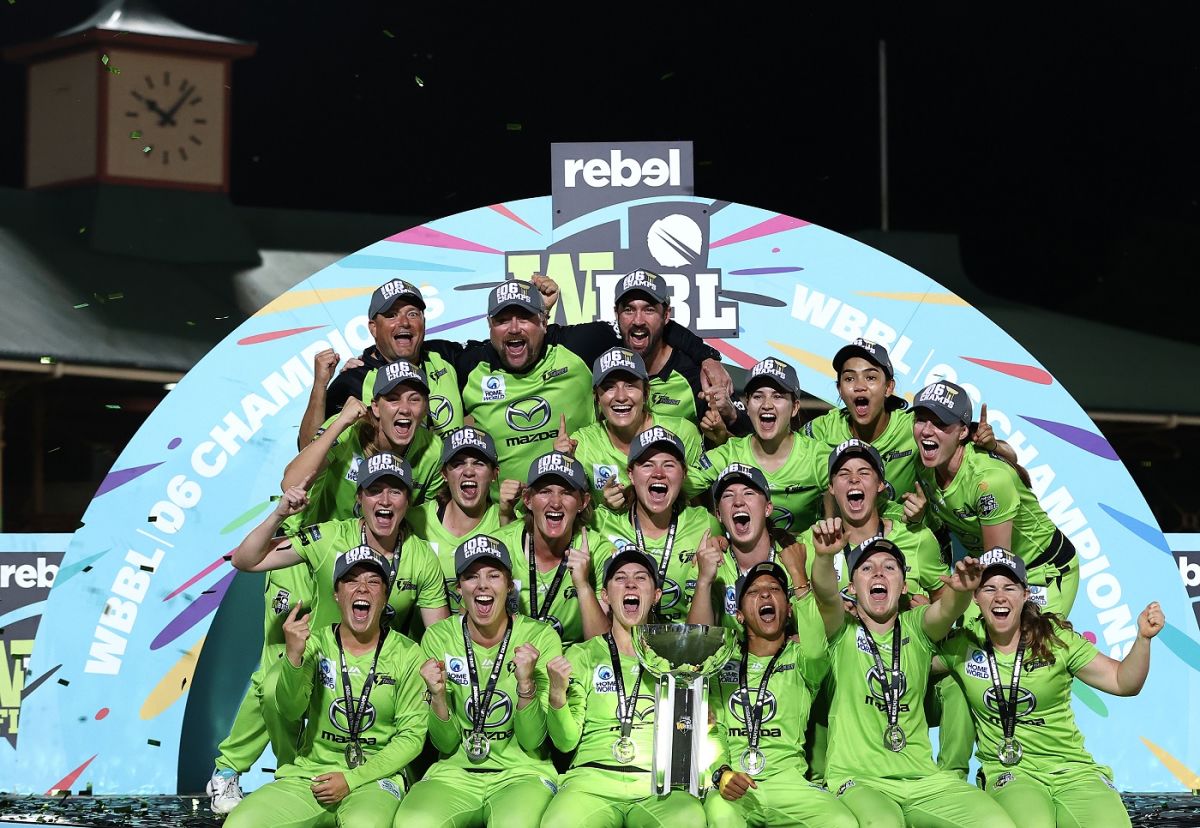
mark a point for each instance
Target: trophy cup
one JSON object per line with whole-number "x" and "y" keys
{"x": 681, "y": 657}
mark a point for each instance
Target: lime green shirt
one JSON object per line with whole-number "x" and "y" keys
{"x": 426, "y": 524}
{"x": 896, "y": 446}
{"x": 445, "y": 402}
{"x": 602, "y": 461}
{"x": 797, "y": 486}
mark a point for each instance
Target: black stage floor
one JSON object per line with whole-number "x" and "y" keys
{"x": 1165, "y": 810}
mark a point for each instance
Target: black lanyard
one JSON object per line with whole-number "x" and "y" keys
{"x": 626, "y": 705}
{"x": 890, "y": 683}
{"x": 665, "y": 561}
{"x": 355, "y": 713}
{"x": 1007, "y": 705}
{"x": 753, "y": 713}
{"x": 394, "y": 563}
{"x": 555, "y": 584}
{"x": 481, "y": 705}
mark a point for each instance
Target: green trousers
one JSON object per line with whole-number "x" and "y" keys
{"x": 940, "y": 800}
{"x": 289, "y": 803}
{"x": 779, "y": 800}
{"x": 1080, "y": 796}
{"x": 451, "y": 797}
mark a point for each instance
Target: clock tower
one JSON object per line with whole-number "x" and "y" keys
{"x": 129, "y": 97}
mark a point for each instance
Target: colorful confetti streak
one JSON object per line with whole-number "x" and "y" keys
{"x": 293, "y": 300}
{"x": 1150, "y": 534}
{"x": 194, "y": 613}
{"x": 245, "y": 517}
{"x": 271, "y": 336}
{"x": 817, "y": 362}
{"x": 752, "y": 298}
{"x": 1029, "y": 373}
{"x": 778, "y": 224}
{"x": 66, "y": 573}
{"x": 1189, "y": 778}
{"x": 509, "y": 214}
{"x": 1080, "y": 438}
{"x": 210, "y": 568}
{"x": 919, "y": 298}
{"x": 740, "y": 357}
{"x": 173, "y": 684}
{"x": 436, "y": 238}
{"x": 363, "y": 261}
{"x": 67, "y": 781}
{"x": 1090, "y": 698}
{"x": 39, "y": 681}
{"x": 1177, "y": 641}
{"x": 764, "y": 271}
{"x": 116, "y": 479}
{"x": 448, "y": 325}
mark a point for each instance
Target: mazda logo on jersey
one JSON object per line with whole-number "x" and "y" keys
{"x": 670, "y": 594}
{"x": 781, "y": 518}
{"x": 528, "y": 414}
{"x": 738, "y": 699}
{"x": 876, "y": 683}
{"x": 499, "y": 712}
{"x": 441, "y": 411}
{"x": 1026, "y": 701}
{"x": 338, "y": 718}
{"x": 643, "y": 708}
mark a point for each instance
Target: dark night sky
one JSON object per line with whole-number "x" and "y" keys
{"x": 1063, "y": 152}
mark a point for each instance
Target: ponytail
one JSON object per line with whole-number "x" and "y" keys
{"x": 1040, "y": 631}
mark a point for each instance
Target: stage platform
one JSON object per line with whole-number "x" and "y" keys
{"x": 1165, "y": 810}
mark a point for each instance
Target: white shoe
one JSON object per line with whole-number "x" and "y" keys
{"x": 224, "y": 791}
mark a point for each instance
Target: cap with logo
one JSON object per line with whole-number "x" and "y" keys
{"x": 866, "y": 550}
{"x": 630, "y": 554}
{"x": 481, "y": 548}
{"x": 618, "y": 360}
{"x": 559, "y": 465}
{"x": 872, "y": 352}
{"x": 656, "y": 437}
{"x": 740, "y": 473}
{"x": 515, "y": 293}
{"x": 855, "y": 448}
{"x": 644, "y": 281}
{"x": 775, "y": 372}
{"x": 469, "y": 438}
{"x": 999, "y": 558}
{"x": 363, "y": 556}
{"x": 396, "y": 373}
{"x": 946, "y": 401}
{"x": 753, "y": 573}
{"x": 384, "y": 465}
{"x": 389, "y": 293}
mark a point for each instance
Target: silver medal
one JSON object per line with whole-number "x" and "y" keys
{"x": 354, "y": 755}
{"x": 753, "y": 761}
{"x": 1010, "y": 752}
{"x": 477, "y": 746}
{"x": 624, "y": 750}
{"x": 894, "y": 738}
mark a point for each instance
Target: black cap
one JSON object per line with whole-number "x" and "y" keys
{"x": 562, "y": 466}
{"x": 866, "y": 550}
{"x": 618, "y": 360}
{"x": 469, "y": 438}
{"x": 376, "y": 466}
{"x": 855, "y": 448}
{"x": 872, "y": 352}
{"x": 777, "y": 373}
{"x": 515, "y": 292}
{"x": 396, "y": 373}
{"x": 630, "y": 554}
{"x": 740, "y": 473}
{"x": 479, "y": 548}
{"x": 999, "y": 558}
{"x": 643, "y": 281}
{"x": 947, "y": 401}
{"x": 386, "y": 295}
{"x": 761, "y": 568}
{"x": 656, "y": 437}
{"x": 360, "y": 556}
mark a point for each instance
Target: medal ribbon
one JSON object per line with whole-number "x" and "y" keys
{"x": 665, "y": 561}
{"x": 754, "y": 713}
{"x": 394, "y": 562}
{"x": 1006, "y": 704}
{"x": 626, "y": 705}
{"x": 481, "y": 704}
{"x": 555, "y": 584}
{"x": 355, "y": 713}
{"x": 891, "y": 686}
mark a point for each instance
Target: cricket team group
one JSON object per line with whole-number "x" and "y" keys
{"x": 471, "y": 535}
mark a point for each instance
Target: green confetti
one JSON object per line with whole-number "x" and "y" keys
{"x": 81, "y": 306}
{"x": 117, "y": 295}
{"x": 667, "y": 76}
{"x": 104, "y": 59}
{"x": 193, "y": 324}
{"x": 112, "y": 406}
{"x": 420, "y": 82}
{"x": 82, "y": 230}
{"x": 513, "y": 127}
{"x": 47, "y": 360}
{"x": 115, "y": 70}
{"x": 147, "y": 148}
{"x": 385, "y": 31}
{"x": 137, "y": 133}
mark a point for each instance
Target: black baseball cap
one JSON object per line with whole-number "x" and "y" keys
{"x": 630, "y": 554}
{"x": 518, "y": 293}
{"x": 644, "y": 281}
{"x": 1000, "y": 559}
{"x": 479, "y": 548}
{"x": 616, "y": 360}
{"x": 656, "y": 437}
{"x": 777, "y": 373}
{"x": 559, "y": 465}
{"x": 947, "y": 401}
{"x": 866, "y": 550}
{"x": 469, "y": 438}
{"x": 386, "y": 295}
{"x": 396, "y": 373}
{"x": 360, "y": 556}
{"x": 872, "y": 352}
{"x": 740, "y": 473}
{"x": 855, "y": 448}
{"x": 384, "y": 465}
{"x": 752, "y": 574}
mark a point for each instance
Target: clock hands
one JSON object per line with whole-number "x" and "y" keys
{"x": 169, "y": 115}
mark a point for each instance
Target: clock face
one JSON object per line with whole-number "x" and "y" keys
{"x": 166, "y": 118}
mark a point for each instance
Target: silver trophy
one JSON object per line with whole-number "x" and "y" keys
{"x": 681, "y": 657}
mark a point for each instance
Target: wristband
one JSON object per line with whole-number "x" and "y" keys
{"x": 719, "y": 776}
{"x": 529, "y": 695}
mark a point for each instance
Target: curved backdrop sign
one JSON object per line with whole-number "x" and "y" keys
{"x": 131, "y": 631}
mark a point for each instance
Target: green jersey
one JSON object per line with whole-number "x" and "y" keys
{"x": 394, "y": 719}
{"x": 923, "y": 564}
{"x": 797, "y": 486}
{"x": 896, "y": 446}
{"x": 445, "y": 403}
{"x": 563, "y": 613}
{"x": 786, "y": 700}
{"x": 418, "y": 579}
{"x": 987, "y": 491}
{"x": 517, "y": 736}
{"x": 426, "y": 523}
{"x": 602, "y": 461}
{"x": 1046, "y": 728}
{"x": 858, "y": 713}
{"x": 587, "y": 723}
{"x": 679, "y": 583}
{"x": 282, "y": 589}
